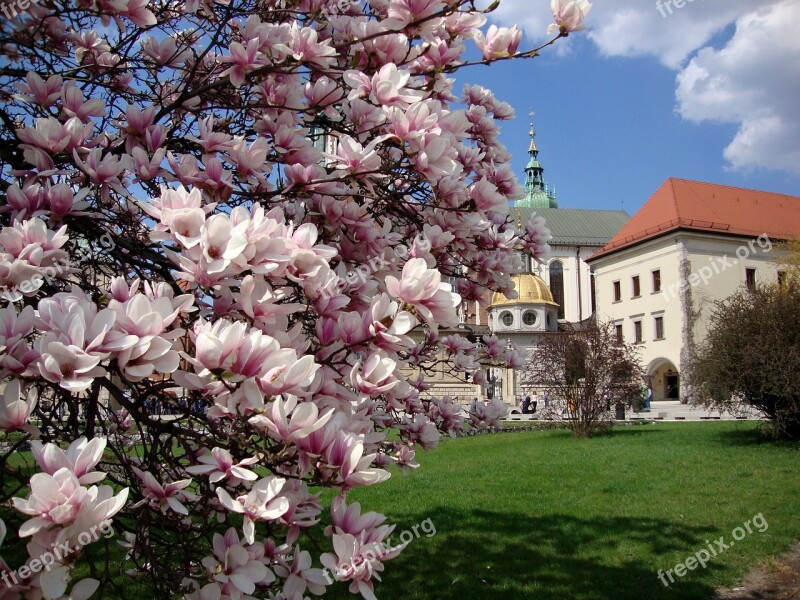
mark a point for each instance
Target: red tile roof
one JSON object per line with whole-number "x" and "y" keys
{"x": 694, "y": 205}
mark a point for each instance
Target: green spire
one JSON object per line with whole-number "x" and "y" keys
{"x": 538, "y": 195}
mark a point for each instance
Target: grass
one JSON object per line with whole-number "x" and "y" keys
{"x": 544, "y": 515}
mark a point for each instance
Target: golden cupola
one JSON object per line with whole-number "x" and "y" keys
{"x": 530, "y": 288}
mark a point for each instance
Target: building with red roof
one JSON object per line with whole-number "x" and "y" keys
{"x": 691, "y": 244}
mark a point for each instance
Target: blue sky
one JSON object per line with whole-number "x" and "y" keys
{"x": 640, "y": 97}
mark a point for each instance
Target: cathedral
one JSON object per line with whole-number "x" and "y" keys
{"x": 550, "y": 297}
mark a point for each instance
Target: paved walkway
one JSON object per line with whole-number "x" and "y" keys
{"x": 668, "y": 410}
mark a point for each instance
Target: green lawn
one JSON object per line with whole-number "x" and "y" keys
{"x": 543, "y": 515}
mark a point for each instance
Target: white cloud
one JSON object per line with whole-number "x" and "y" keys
{"x": 633, "y": 27}
{"x": 753, "y": 80}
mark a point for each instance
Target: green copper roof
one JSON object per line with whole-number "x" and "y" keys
{"x": 538, "y": 196}
{"x": 578, "y": 226}
{"x": 537, "y": 199}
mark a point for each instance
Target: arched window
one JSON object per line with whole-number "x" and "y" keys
{"x": 557, "y": 285}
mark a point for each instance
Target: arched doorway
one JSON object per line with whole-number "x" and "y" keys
{"x": 664, "y": 379}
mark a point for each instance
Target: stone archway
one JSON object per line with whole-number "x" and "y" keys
{"x": 664, "y": 379}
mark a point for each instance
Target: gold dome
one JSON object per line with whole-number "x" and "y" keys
{"x": 530, "y": 289}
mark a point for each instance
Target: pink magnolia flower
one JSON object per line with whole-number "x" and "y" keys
{"x": 500, "y": 42}
{"x": 80, "y": 458}
{"x": 402, "y": 13}
{"x": 422, "y": 288}
{"x": 406, "y": 459}
{"x": 44, "y": 93}
{"x": 303, "y": 46}
{"x": 221, "y": 242}
{"x": 388, "y": 324}
{"x": 537, "y": 236}
{"x": 165, "y": 496}
{"x": 16, "y": 408}
{"x": 488, "y": 414}
{"x": 219, "y": 465}
{"x": 286, "y": 374}
{"x": 421, "y": 430}
{"x": 262, "y": 503}
{"x": 243, "y": 59}
{"x": 347, "y": 518}
{"x": 74, "y": 104}
{"x": 68, "y": 365}
{"x": 217, "y": 345}
{"x": 300, "y": 576}
{"x": 53, "y": 136}
{"x": 305, "y": 419}
{"x": 60, "y": 500}
{"x": 388, "y": 87}
{"x": 355, "y": 158}
{"x": 376, "y": 376}
{"x": 144, "y": 321}
{"x": 233, "y": 568}
{"x": 347, "y": 454}
{"x": 569, "y": 15}
{"x": 357, "y": 562}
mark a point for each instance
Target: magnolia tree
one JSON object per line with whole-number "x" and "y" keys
{"x": 206, "y": 317}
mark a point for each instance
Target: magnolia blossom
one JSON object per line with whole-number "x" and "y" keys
{"x": 80, "y": 458}
{"x": 219, "y": 464}
{"x": 538, "y": 237}
{"x": 500, "y": 42}
{"x": 300, "y": 575}
{"x": 166, "y": 496}
{"x": 305, "y": 419}
{"x": 233, "y": 568}
{"x": 356, "y": 562}
{"x": 376, "y": 376}
{"x": 262, "y": 503}
{"x": 569, "y": 15}
{"x": 60, "y": 500}
{"x": 422, "y": 289}
{"x": 16, "y": 407}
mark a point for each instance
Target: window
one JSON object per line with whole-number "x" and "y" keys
{"x": 637, "y": 331}
{"x": 618, "y": 331}
{"x": 529, "y": 318}
{"x": 781, "y": 278}
{"x": 636, "y": 287}
{"x": 656, "y": 281}
{"x": 617, "y": 291}
{"x": 750, "y": 279}
{"x": 507, "y": 318}
{"x": 522, "y": 262}
{"x": 659, "y": 326}
{"x": 557, "y": 285}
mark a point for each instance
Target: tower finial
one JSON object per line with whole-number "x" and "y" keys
{"x": 537, "y": 193}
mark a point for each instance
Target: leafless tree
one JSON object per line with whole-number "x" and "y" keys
{"x": 585, "y": 374}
